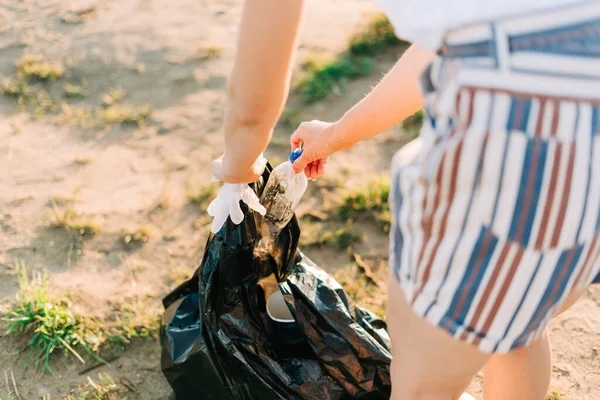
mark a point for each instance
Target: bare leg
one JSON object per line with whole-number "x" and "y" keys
{"x": 428, "y": 363}
{"x": 522, "y": 374}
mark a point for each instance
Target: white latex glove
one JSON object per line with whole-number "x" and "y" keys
{"x": 227, "y": 204}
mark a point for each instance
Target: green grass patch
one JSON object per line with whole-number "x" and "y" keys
{"x": 137, "y": 237}
{"x": 413, "y": 124}
{"x": 53, "y": 327}
{"x": 314, "y": 235}
{"x": 415, "y": 120}
{"x": 127, "y": 321}
{"x": 28, "y": 88}
{"x": 554, "y": 395}
{"x": 323, "y": 78}
{"x": 36, "y": 98}
{"x": 81, "y": 116}
{"x": 123, "y": 114}
{"x": 116, "y": 113}
{"x": 15, "y": 87}
{"x": 51, "y": 323}
{"x": 83, "y": 160}
{"x": 84, "y": 227}
{"x": 35, "y": 67}
{"x": 105, "y": 388}
{"x": 76, "y": 91}
{"x": 210, "y": 52}
{"x": 88, "y": 117}
{"x": 374, "y": 38}
{"x": 203, "y": 194}
{"x": 371, "y": 200}
{"x": 41, "y": 102}
{"x": 69, "y": 220}
{"x": 113, "y": 97}
{"x": 25, "y": 86}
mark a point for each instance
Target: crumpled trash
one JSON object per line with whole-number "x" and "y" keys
{"x": 219, "y": 343}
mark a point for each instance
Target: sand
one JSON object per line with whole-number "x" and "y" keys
{"x": 125, "y": 177}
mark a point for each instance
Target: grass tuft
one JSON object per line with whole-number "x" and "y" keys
{"x": 374, "y": 37}
{"x": 83, "y": 160}
{"x": 68, "y": 219}
{"x": 84, "y": 227}
{"x": 86, "y": 117}
{"x": 371, "y": 200}
{"x": 26, "y": 96}
{"x": 203, "y": 194}
{"x": 76, "y": 91}
{"x": 35, "y": 67}
{"x": 52, "y": 325}
{"x": 325, "y": 78}
{"x": 137, "y": 237}
{"x": 42, "y": 103}
{"x": 414, "y": 121}
{"x": 105, "y": 389}
{"x": 413, "y": 124}
{"x": 17, "y": 88}
{"x": 55, "y": 328}
{"x": 128, "y": 320}
{"x": 76, "y": 115}
{"x": 115, "y": 96}
{"x": 554, "y": 395}
{"x": 210, "y": 52}
{"x": 314, "y": 235}
{"x": 122, "y": 114}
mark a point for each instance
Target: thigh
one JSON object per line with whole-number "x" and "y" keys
{"x": 428, "y": 363}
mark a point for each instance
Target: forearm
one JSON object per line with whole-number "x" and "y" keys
{"x": 396, "y": 97}
{"x": 259, "y": 83}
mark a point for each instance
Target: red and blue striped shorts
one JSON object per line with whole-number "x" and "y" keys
{"x": 496, "y": 209}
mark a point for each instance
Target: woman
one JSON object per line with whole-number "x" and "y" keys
{"x": 496, "y": 210}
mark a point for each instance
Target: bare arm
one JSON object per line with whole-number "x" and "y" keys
{"x": 259, "y": 84}
{"x": 396, "y": 97}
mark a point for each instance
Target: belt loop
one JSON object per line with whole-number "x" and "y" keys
{"x": 501, "y": 47}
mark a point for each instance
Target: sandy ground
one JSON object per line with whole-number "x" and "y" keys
{"x": 139, "y": 175}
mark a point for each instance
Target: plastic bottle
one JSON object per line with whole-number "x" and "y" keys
{"x": 283, "y": 192}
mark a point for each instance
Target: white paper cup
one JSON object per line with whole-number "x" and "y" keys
{"x": 278, "y": 309}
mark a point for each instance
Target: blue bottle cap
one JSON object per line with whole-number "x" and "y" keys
{"x": 295, "y": 155}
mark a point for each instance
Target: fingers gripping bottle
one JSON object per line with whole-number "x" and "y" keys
{"x": 283, "y": 192}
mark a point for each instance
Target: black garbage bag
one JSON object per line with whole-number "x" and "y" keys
{"x": 219, "y": 343}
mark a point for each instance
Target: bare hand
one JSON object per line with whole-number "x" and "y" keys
{"x": 316, "y": 137}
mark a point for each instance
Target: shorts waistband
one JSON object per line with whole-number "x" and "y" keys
{"x": 545, "y": 31}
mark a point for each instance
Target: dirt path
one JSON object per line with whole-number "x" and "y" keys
{"x": 129, "y": 176}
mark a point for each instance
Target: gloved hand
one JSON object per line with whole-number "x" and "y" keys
{"x": 227, "y": 204}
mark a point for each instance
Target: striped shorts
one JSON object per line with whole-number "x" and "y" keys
{"x": 496, "y": 207}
